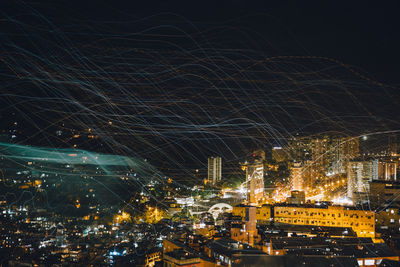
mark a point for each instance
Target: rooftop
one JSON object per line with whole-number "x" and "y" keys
{"x": 229, "y": 247}
{"x": 182, "y": 254}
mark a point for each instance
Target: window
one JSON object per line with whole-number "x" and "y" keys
{"x": 369, "y": 262}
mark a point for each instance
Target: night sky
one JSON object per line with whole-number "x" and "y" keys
{"x": 176, "y": 82}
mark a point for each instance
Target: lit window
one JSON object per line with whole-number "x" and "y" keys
{"x": 369, "y": 262}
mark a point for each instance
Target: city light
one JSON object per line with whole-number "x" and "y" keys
{"x": 199, "y": 134}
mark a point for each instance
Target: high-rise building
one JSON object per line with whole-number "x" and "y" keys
{"x": 387, "y": 170}
{"x": 319, "y": 150}
{"x": 341, "y": 151}
{"x": 306, "y": 173}
{"x": 278, "y": 154}
{"x": 214, "y": 170}
{"x": 328, "y": 154}
{"x": 299, "y": 148}
{"x": 255, "y": 177}
{"x": 359, "y": 175}
{"x": 296, "y": 176}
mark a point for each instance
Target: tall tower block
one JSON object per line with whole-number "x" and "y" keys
{"x": 214, "y": 170}
{"x": 255, "y": 177}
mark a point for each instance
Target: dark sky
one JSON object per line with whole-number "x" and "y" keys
{"x": 363, "y": 34}
{"x": 359, "y": 33}
{"x": 183, "y": 80}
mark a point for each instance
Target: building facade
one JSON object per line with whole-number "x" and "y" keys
{"x": 362, "y": 222}
{"x": 296, "y": 176}
{"x": 359, "y": 175}
{"x": 214, "y": 170}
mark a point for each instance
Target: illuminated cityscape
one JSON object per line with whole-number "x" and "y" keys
{"x": 199, "y": 134}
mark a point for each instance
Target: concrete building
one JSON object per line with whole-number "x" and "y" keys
{"x": 263, "y": 213}
{"x": 359, "y": 175}
{"x": 387, "y": 169}
{"x": 255, "y": 177}
{"x": 326, "y": 155}
{"x": 388, "y": 219}
{"x": 341, "y": 151}
{"x": 246, "y": 230}
{"x": 382, "y": 192}
{"x": 362, "y": 222}
{"x": 177, "y": 253}
{"x": 214, "y": 170}
{"x": 279, "y": 154}
{"x": 320, "y": 157}
{"x": 296, "y": 176}
{"x": 343, "y": 251}
{"x": 297, "y": 197}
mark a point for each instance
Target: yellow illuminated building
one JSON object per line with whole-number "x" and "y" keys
{"x": 239, "y": 210}
{"x": 263, "y": 213}
{"x": 152, "y": 258}
{"x": 361, "y": 221}
{"x": 246, "y": 230}
{"x": 296, "y": 176}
